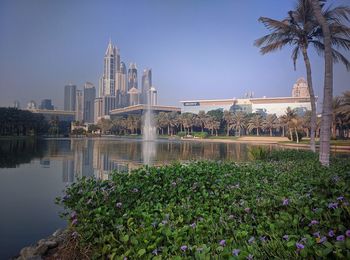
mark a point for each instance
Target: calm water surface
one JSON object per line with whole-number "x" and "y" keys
{"x": 34, "y": 172}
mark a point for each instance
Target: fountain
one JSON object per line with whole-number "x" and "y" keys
{"x": 149, "y": 135}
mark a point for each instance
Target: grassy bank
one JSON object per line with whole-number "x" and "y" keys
{"x": 287, "y": 206}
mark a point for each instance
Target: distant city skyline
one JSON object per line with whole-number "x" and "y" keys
{"x": 198, "y": 49}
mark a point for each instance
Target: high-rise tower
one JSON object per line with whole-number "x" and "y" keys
{"x": 89, "y": 99}
{"x": 132, "y": 76}
{"x": 111, "y": 69}
{"x": 70, "y": 97}
{"x": 146, "y": 84}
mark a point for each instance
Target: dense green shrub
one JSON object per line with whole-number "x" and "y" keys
{"x": 294, "y": 136}
{"x": 200, "y": 134}
{"x": 258, "y": 152}
{"x": 281, "y": 209}
{"x": 181, "y": 134}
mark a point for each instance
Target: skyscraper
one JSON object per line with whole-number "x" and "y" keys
{"x": 79, "y": 103}
{"x": 111, "y": 68}
{"x": 16, "y": 104}
{"x": 152, "y": 95}
{"x": 132, "y": 76}
{"x": 146, "y": 85}
{"x": 123, "y": 78}
{"x": 89, "y": 98}
{"x": 70, "y": 97}
{"x": 46, "y": 104}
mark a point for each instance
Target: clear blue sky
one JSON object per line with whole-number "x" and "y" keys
{"x": 197, "y": 49}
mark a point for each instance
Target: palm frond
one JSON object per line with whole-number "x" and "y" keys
{"x": 337, "y": 14}
{"x": 295, "y": 54}
{"x": 337, "y": 56}
{"x": 275, "y": 46}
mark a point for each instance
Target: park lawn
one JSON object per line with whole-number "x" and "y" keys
{"x": 284, "y": 207}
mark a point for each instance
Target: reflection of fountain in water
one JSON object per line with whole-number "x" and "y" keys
{"x": 149, "y": 135}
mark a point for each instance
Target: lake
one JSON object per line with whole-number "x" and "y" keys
{"x": 34, "y": 172}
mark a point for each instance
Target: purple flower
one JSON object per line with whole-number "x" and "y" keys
{"x": 164, "y": 222}
{"x": 66, "y": 197}
{"x": 155, "y": 251}
{"x": 285, "y": 202}
{"x": 341, "y": 238}
{"x": 75, "y": 221}
{"x": 173, "y": 183}
{"x": 247, "y": 210}
{"x": 251, "y": 240}
{"x": 316, "y": 234}
{"x": 73, "y": 215}
{"x": 183, "y": 248}
{"x": 340, "y": 198}
{"x": 322, "y": 240}
{"x": 313, "y": 222}
{"x": 331, "y": 233}
{"x": 193, "y": 225}
{"x": 285, "y": 237}
{"x": 235, "y": 252}
{"x": 299, "y": 246}
{"x": 118, "y": 205}
{"x": 222, "y": 242}
{"x": 262, "y": 238}
{"x": 75, "y": 234}
{"x": 249, "y": 257}
{"x": 135, "y": 190}
{"x": 347, "y": 233}
{"x": 333, "y": 205}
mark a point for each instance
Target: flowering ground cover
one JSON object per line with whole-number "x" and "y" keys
{"x": 287, "y": 206}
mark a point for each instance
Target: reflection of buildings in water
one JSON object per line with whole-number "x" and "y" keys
{"x": 99, "y": 157}
{"x": 68, "y": 171}
{"x": 45, "y": 163}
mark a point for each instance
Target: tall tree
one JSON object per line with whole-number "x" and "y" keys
{"x": 300, "y": 29}
{"x": 270, "y": 122}
{"x": 328, "y": 85}
{"x": 255, "y": 122}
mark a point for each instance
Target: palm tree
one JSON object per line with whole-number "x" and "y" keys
{"x": 270, "y": 122}
{"x": 201, "y": 119}
{"x": 239, "y": 119}
{"x": 300, "y": 29}
{"x": 336, "y": 115}
{"x": 255, "y": 122}
{"x": 229, "y": 119}
{"x": 328, "y": 84}
{"x": 288, "y": 119}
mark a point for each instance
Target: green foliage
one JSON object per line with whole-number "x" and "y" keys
{"x": 217, "y": 114}
{"x": 205, "y": 210}
{"x": 294, "y": 136}
{"x": 200, "y": 134}
{"x": 258, "y": 152}
{"x": 181, "y": 134}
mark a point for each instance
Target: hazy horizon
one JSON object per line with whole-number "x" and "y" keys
{"x": 196, "y": 49}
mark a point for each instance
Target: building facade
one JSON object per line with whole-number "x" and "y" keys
{"x": 46, "y": 104}
{"x": 79, "y": 106}
{"x": 152, "y": 95}
{"x": 132, "y": 76}
{"x": 70, "y": 97}
{"x": 89, "y": 99}
{"x": 146, "y": 85}
{"x": 299, "y": 101}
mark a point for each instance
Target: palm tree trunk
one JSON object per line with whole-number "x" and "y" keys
{"x": 296, "y": 134}
{"x": 326, "y": 120}
{"x": 270, "y": 131}
{"x": 312, "y": 99}
{"x": 257, "y": 131}
{"x": 228, "y": 130}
